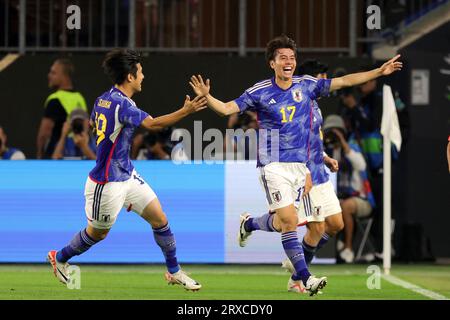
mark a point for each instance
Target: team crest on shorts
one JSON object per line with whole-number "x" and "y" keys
{"x": 317, "y": 210}
{"x": 105, "y": 218}
{"x": 277, "y": 196}
{"x": 297, "y": 95}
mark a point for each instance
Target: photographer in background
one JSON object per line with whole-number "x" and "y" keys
{"x": 353, "y": 187}
{"x": 76, "y": 141}
{"x": 165, "y": 144}
{"x": 156, "y": 145}
{"x": 8, "y": 153}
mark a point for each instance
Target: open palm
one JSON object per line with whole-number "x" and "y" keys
{"x": 391, "y": 66}
{"x": 200, "y": 87}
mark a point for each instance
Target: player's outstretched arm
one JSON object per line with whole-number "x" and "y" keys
{"x": 354, "y": 79}
{"x": 202, "y": 88}
{"x": 190, "y": 106}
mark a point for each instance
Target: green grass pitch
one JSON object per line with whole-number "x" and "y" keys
{"x": 220, "y": 282}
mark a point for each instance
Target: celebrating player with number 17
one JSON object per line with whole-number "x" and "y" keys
{"x": 284, "y": 107}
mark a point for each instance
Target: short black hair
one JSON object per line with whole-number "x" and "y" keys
{"x": 280, "y": 42}
{"x": 312, "y": 67}
{"x": 119, "y": 63}
{"x": 67, "y": 65}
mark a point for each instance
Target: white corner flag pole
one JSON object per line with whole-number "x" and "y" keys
{"x": 390, "y": 130}
{"x": 386, "y": 205}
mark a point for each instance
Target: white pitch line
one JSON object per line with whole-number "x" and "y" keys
{"x": 409, "y": 286}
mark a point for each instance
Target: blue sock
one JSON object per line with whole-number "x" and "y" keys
{"x": 264, "y": 223}
{"x": 79, "y": 244}
{"x": 294, "y": 252}
{"x": 323, "y": 241}
{"x": 166, "y": 241}
{"x": 309, "y": 251}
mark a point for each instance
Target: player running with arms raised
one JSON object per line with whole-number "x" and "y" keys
{"x": 114, "y": 183}
{"x": 284, "y": 104}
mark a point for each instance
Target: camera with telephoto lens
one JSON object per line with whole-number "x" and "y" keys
{"x": 330, "y": 138}
{"x": 77, "y": 126}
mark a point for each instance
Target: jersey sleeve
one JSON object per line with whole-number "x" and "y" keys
{"x": 131, "y": 115}
{"x": 319, "y": 88}
{"x": 92, "y": 117}
{"x": 246, "y": 102}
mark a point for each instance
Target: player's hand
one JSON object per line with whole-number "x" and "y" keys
{"x": 308, "y": 184}
{"x": 200, "y": 87}
{"x": 391, "y": 66}
{"x": 199, "y": 103}
{"x": 331, "y": 163}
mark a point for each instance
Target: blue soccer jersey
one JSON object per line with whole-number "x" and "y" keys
{"x": 316, "y": 164}
{"x": 287, "y": 111}
{"x": 116, "y": 117}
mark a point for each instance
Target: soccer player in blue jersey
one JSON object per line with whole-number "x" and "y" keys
{"x": 284, "y": 105}
{"x": 114, "y": 184}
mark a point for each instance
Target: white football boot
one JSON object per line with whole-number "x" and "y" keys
{"x": 181, "y": 278}
{"x": 243, "y": 234}
{"x": 314, "y": 285}
{"x": 59, "y": 269}
{"x": 297, "y": 286}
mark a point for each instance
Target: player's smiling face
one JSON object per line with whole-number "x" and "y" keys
{"x": 136, "y": 83}
{"x": 284, "y": 63}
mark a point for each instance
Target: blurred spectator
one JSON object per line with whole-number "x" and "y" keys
{"x": 159, "y": 145}
{"x": 7, "y": 153}
{"x": 76, "y": 141}
{"x": 314, "y": 68}
{"x": 58, "y": 106}
{"x": 353, "y": 187}
{"x": 363, "y": 120}
{"x": 155, "y": 146}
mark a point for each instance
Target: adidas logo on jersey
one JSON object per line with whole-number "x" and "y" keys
{"x": 272, "y": 101}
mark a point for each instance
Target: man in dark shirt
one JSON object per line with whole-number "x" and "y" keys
{"x": 57, "y": 106}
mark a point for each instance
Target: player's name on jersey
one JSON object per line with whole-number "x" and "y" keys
{"x": 104, "y": 103}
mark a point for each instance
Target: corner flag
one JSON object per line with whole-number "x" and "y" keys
{"x": 390, "y": 129}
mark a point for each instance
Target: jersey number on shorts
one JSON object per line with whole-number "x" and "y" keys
{"x": 100, "y": 125}
{"x": 300, "y": 193}
{"x": 290, "y": 110}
